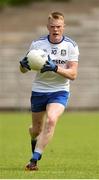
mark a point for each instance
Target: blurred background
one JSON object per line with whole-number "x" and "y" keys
{"x": 21, "y": 21}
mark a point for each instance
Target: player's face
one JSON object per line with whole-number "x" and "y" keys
{"x": 56, "y": 29}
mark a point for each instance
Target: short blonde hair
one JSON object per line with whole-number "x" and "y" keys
{"x": 56, "y": 15}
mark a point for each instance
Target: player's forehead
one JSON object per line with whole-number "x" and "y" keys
{"x": 56, "y": 22}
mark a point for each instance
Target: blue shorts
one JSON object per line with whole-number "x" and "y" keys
{"x": 39, "y": 101}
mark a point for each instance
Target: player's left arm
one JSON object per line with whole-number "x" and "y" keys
{"x": 70, "y": 72}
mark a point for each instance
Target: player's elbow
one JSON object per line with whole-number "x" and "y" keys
{"x": 73, "y": 76}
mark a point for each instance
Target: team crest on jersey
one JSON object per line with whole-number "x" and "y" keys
{"x": 63, "y": 52}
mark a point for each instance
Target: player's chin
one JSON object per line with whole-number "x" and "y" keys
{"x": 56, "y": 38}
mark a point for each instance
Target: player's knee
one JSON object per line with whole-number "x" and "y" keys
{"x": 51, "y": 122}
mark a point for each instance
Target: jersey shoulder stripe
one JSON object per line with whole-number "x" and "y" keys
{"x": 40, "y": 39}
{"x": 67, "y": 39}
{"x": 43, "y": 38}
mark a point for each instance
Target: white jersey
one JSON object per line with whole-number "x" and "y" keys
{"x": 60, "y": 53}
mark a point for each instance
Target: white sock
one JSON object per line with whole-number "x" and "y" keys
{"x": 38, "y": 150}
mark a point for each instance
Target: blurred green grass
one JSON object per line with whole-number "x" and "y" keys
{"x": 25, "y": 2}
{"x": 73, "y": 152}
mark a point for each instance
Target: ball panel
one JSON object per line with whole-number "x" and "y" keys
{"x": 36, "y": 59}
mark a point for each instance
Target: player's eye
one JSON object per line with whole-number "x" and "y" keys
{"x": 57, "y": 27}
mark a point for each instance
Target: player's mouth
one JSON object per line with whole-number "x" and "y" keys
{"x": 55, "y": 34}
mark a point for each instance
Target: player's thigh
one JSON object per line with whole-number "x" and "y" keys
{"x": 54, "y": 110}
{"x": 37, "y": 119}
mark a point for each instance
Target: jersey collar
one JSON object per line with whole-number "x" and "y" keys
{"x": 55, "y": 43}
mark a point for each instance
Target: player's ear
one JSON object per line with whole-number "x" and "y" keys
{"x": 48, "y": 27}
{"x": 65, "y": 25}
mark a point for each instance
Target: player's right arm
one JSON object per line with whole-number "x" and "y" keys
{"x": 22, "y": 69}
{"x": 24, "y": 66}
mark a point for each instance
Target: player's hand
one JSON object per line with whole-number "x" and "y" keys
{"x": 49, "y": 66}
{"x": 24, "y": 63}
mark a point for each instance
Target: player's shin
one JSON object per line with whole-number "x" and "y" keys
{"x": 33, "y": 139}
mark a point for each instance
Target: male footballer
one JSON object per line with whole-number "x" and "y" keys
{"x": 51, "y": 87}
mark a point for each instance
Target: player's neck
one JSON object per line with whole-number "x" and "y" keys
{"x": 55, "y": 40}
